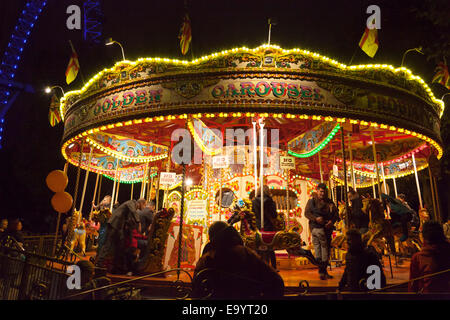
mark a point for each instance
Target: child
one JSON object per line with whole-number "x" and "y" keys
{"x": 135, "y": 242}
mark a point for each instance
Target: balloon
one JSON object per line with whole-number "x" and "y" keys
{"x": 62, "y": 202}
{"x": 57, "y": 180}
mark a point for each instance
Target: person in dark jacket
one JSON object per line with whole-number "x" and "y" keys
{"x": 232, "y": 270}
{"x": 434, "y": 257}
{"x": 115, "y": 236}
{"x": 357, "y": 217}
{"x": 3, "y": 228}
{"x": 322, "y": 214}
{"x": 146, "y": 216}
{"x": 270, "y": 213}
{"x": 357, "y": 260}
{"x": 400, "y": 214}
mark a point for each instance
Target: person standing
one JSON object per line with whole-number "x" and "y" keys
{"x": 270, "y": 214}
{"x": 322, "y": 214}
{"x": 115, "y": 237}
{"x": 434, "y": 257}
{"x": 14, "y": 230}
{"x": 146, "y": 216}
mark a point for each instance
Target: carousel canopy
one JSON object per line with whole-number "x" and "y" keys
{"x": 127, "y": 114}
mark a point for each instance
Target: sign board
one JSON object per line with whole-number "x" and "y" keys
{"x": 167, "y": 178}
{"x": 196, "y": 209}
{"x": 335, "y": 170}
{"x": 220, "y": 162}
{"x": 287, "y": 163}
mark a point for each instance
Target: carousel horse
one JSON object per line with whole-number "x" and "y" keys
{"x": 382, "y": 228}
{"x": 79, "y": 238}
{"x": 264, "y": 241}
{"x": 152, "y": 258}
{"x": 379, "y": 227}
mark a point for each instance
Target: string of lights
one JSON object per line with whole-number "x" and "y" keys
{"x": 12, "y": 56}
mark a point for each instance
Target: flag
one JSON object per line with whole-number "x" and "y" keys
{"x": 442, "y": 75}
{"x": 72, "y": 68}
{"x": 185, "y": 35}
{"x": 369, "y": 42}
{"x": 53, "y": 115}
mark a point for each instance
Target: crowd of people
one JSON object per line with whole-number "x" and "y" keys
{"x": 241, "y": 272}
{"x": 236, "y": 271}
{"x": 12, "y": 229}
{"x": 123, "y": 236}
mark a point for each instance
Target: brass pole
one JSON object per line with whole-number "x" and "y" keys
{"x": 93, "y": 198}
{"x": 320, "y": 168}
{"x": 417, "y": 181}
{"x": 437, "y": 199}
{"x": 374, "y": 149}
{"x": 351, "y": 160}
{"x": 432, "y": 193}
{"x": 132, "y": 189}
{"x": 345, "y": 196}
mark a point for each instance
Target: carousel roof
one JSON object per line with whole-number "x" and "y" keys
{"x": 127, "y": 114}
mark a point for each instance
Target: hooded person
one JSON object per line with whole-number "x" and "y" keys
{"x": 233, "y": 271}
{"x": 270, "y": 209}
{"x": 357, "y": 260}
{"x": 434, "y": 257}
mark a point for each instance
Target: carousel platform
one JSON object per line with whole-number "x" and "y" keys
{"x": 163, "y": 287}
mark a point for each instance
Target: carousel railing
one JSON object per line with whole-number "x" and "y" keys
{"x": 29, "y": 276}
{"x": 202, "y": 290}
{"x": 41, "y": 244}
{"x": 126, "y": 289}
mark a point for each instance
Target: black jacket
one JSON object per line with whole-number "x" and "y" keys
{"x": 146, "y": 218}
{"x": 313, "y": 210}
{"x": 358, "y": 217}
{"x": 126, "y": 212}
{"x": 270, "y": 212}
{"x": 356, "y": 264}
{"x": 234, "y": 271}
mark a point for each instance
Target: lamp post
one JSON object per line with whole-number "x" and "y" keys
{"x": 442, "y": 98}
{"x": 48, "y": 90}
{"x": 419, "y": 50}
{"x": 110, "y": 41}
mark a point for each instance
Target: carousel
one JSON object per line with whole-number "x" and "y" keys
{"x": 288, "y": 119}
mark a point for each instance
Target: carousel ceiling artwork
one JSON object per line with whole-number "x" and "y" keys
{"x": 132, "y": 150}
{"x": 312, "y": 141}
{"x": 206, "y": 139}
{"x": 130, "y": 111}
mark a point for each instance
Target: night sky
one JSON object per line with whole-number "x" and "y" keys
{"x": 31, "y": 148}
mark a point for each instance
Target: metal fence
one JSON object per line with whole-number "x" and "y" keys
{"x": 42, "y": 244}
{"x": 29, "y": 276}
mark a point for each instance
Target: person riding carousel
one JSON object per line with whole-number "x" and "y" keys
{"x": 270, "y": 213}
{"x": 357, "y": 217}
{"x": 400, "y": 214}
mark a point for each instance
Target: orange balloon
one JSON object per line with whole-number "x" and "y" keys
{"x": 62, "y": 202}
{"x": 57, "y": 180}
